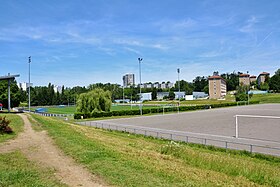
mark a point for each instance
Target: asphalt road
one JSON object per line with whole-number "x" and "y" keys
{"x": 216, "y": 121}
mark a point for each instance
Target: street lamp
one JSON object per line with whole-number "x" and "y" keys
{"x": 29, "y": 61}
{"x": 140, "y": 59}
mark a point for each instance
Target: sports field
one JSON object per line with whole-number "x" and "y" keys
{"x": 216, "y": 122}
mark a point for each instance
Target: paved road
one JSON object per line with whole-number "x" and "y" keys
{"x": 216, "y": 121}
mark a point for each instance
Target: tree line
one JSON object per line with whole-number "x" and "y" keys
{"x": 45, "y": 95}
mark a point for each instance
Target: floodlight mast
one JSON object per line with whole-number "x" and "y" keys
{"x": 29, "y": 61}
{"x": 140, "y": 60}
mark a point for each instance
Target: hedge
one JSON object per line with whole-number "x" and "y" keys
{"x": 78, "y": 115}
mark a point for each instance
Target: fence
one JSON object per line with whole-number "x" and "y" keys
{"x": 198, "y": 138}
{"x": 50, "y": 114}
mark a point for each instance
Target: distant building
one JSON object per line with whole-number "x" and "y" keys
{"x": 262, "y": 77}
{"x": 161, "y": 95}
{"x": 128, "y": 80}
{"x": 57, "y": 88}
{"x": 253, "y": 79}
{"x": 244, "y": 79}
{"x": 179, "y": 95}
{"x": 156, "y": 85}
{"x": 148, "y": 85}
{"x": 146, "y": 96}
{"x": 169, "y": 85}
{"x": 217, "y": 87}
{"x": 24, "y": 86}
{"x": 199, "y": 95}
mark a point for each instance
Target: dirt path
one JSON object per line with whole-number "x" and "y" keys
{"x": 39, "y": 147}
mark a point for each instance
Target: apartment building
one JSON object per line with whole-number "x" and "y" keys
{"x": 128, "y": 80}
{"x": 244, "y": 79}
{"x": 217, "y": 87}
{"x": 253, "y": 79}
{"x": 262, "y": 77}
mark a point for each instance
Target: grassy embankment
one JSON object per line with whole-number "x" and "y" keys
{"x": 15, "y": 169}
{"x": 16, "y": 124}
{"x": 124, "y": 159}
{"x": 266, "y": 98}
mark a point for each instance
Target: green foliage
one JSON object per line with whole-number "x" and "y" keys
{"x": 274, "y": 82}
{"x": 4, "y": 126}
{"x": 171, "y": 95}
{"x": 241, "y": 97}
{"x": 95, "y": 100}
{"x": 16, "y": 124}
{"x": 241, "y": 93}
{"x": 232, "y": 80}
{"x": 199, "y": 83}
{"x": 96, "y": 114}
{"x": 264, "y": 86}
{"x": 16, "y": 94}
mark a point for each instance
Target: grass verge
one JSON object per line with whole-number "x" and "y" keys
{"x": 16, "y": 124}
{"x": 132, "y": 160}
{"x": 16, "y": 170}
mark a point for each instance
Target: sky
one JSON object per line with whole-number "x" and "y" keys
{"x": 74, "y": 42}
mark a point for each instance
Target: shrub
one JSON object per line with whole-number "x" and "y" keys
{"x": 4, "y": 125}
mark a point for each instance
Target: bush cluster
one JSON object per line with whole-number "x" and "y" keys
{"x": 4, "y": 125}
{"x": 95, "y": 114}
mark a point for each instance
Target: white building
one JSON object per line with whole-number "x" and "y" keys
{"x": 146, "y": 96}
{"x": 161, "y": 95}
{"x": 24, "y": 86}
{"x": 180, "y": 95}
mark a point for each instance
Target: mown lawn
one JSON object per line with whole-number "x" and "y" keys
{"x": 16, "y": 124}
{"x": 266, "y": 98}
{"x": 133, "y": 160}
{"x": 16, "y": 170}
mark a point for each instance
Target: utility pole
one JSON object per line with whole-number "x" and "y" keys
{"x": 29, "y": 61}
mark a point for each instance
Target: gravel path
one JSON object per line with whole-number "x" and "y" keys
{"x": 39, "y": 147}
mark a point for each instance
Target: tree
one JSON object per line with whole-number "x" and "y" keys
{"x": 274, "y": 82}
{"x": 95, "y": 100}
{"x": 199, "y": 83}
{"x": 171, "y": 95}
{"x": 15, "y": 94}
{"x": 232, "y": 80}
{"x": 241, "y": 93}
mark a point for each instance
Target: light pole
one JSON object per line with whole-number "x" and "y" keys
{"x": 178, "y": 71}
{"x": 123, "y": 94}
{"x": 140, "y": 59}
{"x": 248, "y": 86}
{"x": 29, "y": 61}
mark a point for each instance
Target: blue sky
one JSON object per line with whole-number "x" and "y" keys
{"x": 74, "y": 42}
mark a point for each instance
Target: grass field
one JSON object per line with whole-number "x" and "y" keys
{"x": 16, "y": 170}
{"x": 266, "y": 98}
{"x": 133, "y": 160}
{"x": 72, "y": 109}
{"x": 16, "y": 124}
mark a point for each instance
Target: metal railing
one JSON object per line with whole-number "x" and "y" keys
{"x": 49, "y": 114}
{"x": 188, "y": 137}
